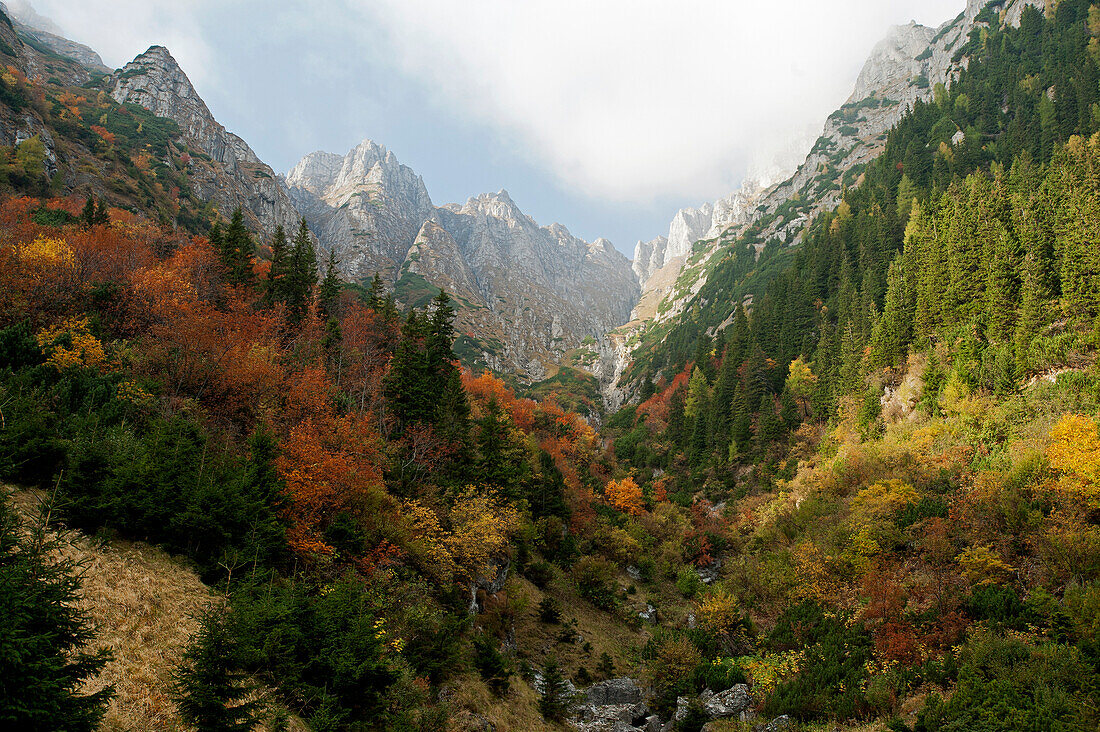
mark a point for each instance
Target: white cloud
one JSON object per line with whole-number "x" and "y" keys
{"x": 631, "y": 101}
{"x": 120, "y": 29}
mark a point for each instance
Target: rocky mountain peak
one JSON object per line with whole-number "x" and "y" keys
{"x": 893, "y": 59}
{"x": 155, "y": 81}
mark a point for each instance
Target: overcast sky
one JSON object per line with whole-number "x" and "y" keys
{"x": 604, "y": 115}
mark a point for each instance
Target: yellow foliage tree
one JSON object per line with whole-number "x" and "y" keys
{"x": 70, "y": 344}
{"x": 460, "y": 545}
{"x": 1075, "y": 452}
{"x": 983, "y": 566}
{"x": 625, "y": 495}
{"x": 721, "y": 614}
{"x": 882, "y": 499}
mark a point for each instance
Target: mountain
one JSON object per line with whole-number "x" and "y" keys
{"x": 366, "y": 206}
{"x": 46, "y": 37}
{"x": 236, "y": 177}
{"x": 526, "y": 294}
{"x": 907, "y": 66}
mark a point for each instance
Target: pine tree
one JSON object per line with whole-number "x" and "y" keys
{"x": 102, "y": 216}
{"x": 328, "y": 294}
{"x": 1002, "y": 289}
{"x": 237, "y": 251}
{"x": 88, "y": 214}
{"x": 501, "y": 461}
{"x": 302, "y": 275}
{"x": 894, "y": 330}
{"x": 546, "y": 495}
{"x": 697, "y": 394}
{"x": 554, "y": 698}
{"x": 210, "y": 695}
{"x": 675, "y": 432}
{"x": 491, "y": 664}
{"x": 275, "y": 285}
{"x": 408, "y": 383}
{"x": 43, "y": 661}
{"x": 376, "y": 293}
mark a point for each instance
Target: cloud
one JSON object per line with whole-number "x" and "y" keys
{"x": 632, "y": 101}
{"x": 120, "y": 29}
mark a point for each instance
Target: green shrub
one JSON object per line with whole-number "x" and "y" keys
{"x": 688, "y": 582}
{"x": 594, "y": 575}
{"x": 549, "y": 611}
{"x": 491, "y": 664}
{"x": 1008, "y": 685}
{"x": 829, "y": 684}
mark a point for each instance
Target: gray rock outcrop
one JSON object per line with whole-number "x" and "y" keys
{"x": 236, "y": 177}
{"x": 903, "y": 68}
{"x": 42, "y": 32}
{"x": 525, "y": 294}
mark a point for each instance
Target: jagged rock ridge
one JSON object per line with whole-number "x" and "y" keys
{"x": 526, "y": 293}
{"x": 904, "y": 67}
{"x": 42, "y": 32}
{"x": 155, "y": 81}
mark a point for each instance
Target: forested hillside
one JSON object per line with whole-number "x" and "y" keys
{"x": 861, "y": 489}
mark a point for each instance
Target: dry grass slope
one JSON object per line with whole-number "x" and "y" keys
{"x": 143, "y": 604}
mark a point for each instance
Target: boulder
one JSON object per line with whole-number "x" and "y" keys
{"x": 614, "y": 691}
{"x": 778, "y": 724}
{"x": 733, "y": 702}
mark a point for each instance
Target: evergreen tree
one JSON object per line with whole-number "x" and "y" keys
{"x": 88, "y": 214}
{"x": 237, "y": 251}
{"x": 554, "y": 698}
{"x": 408, "y": 383}
{"x": 376, "y": 293}
{"x": 210, "y": 695}
{"x": 491, "y": 664}
{"x": 43, "y": 636}
{"x": 328, "y": 294}
{"x": 894, "y": 330}
{"x": 501, "y": 460}
{"x": 697, "y": 394}
{"x": 302, "y": 275}
{"x": 275, "y": 285}
{"x": 546, "y": 495}
{"x": 676, "y": 431}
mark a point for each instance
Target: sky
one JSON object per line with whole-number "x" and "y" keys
{"x": 604, "y": 115}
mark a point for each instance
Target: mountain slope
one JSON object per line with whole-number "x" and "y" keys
{"x": 526, "y": 294}
{"x": 155, "y": 81}
{"x": 905, "y": 68}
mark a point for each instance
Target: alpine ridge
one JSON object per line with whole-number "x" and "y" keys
{"x": 907, "y": 66}
{"x": 527, "y": 295}
{"x": 156, "y": 82}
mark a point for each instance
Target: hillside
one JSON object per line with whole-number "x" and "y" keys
{"x": 777, "y": 205}
{"x": 526, "y": 295}
{"x": 858, "y": 487}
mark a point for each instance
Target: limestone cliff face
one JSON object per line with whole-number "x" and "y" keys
{"x": 366, "y": 206}
{"x": 526, "y": 294}
{"x": 904, "y": 67}
{"x": 238, "y": 178}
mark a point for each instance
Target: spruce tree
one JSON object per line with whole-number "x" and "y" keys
{"x": 43, "y": 636}
{"x": 237, "y": 251}
{"x": 88, "y": 213}
{"x": 275, "y": 285}
{"x": 302, "y": 275}
{"x": 554, "y": 698}
{"x": 408, "y": 383}
{"x": 376, "y": 293}
{"x": 210, "y": 694}
{"x": 328, "y": 294}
